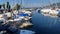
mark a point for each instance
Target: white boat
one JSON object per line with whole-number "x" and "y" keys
{"x": 28, "y": 12}
{"x": 1, "y": 20}
{"x": 45, "y": 11}
{"x": 27, "y": 32}
{"x": 1, "y": 15}
{"x": 19, "y": 19}
{"x": 53, "y": 13}
{"x": 50, "y": 12}
{"x": 8, "y": 14}
{"x": 27, "y": 18}
{"x": 26, "y": 24}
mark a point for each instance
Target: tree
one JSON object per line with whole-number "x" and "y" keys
{"x": 17, "y": 7}
{"x": 8, "y": 5}
{"x": 3, "y": 6}
{"x": 0, "y": 6}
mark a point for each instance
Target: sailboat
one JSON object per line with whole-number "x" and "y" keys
{"x": 24, "y": 13}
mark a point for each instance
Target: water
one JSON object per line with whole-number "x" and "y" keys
{"x": 45, "y": 24}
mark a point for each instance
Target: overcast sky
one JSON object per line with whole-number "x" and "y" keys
{"x": 30, "y": 3}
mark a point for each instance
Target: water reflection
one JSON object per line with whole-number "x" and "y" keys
{"x": 45, "y": 24}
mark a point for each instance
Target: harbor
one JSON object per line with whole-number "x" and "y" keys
{"x": 21, "y": 17}
{"x": 15, "y": 20}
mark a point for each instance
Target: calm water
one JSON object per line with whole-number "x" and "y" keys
{"x": 45, "y": 24}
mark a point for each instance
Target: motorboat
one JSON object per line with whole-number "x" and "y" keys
{"x": 45, "y": 11}
{"x": 1, "y": 20}
{"x": 16, "y": 18}
{"x": 20, "y": 16}
{"x": 26, "y": 12}
{"x": 8, "y": 14}
{"x": 50, "y": 12}
{"x": 53, "y": 13}
{"x": 38, "y": 10}
{"x": 26, "y": 24}
{"x": 58, "y": 13}
{"x": 27, "y": 32}
{"x": 25, "y": 16}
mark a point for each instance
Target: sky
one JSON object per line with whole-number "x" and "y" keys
{"x": 30, "y": 3}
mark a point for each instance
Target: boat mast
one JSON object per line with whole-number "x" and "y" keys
{"x": 56, "y": 5}
{"x": 5, "y": 16}
{"x": 49, "y": 4}
{"x": 21, "y": 4}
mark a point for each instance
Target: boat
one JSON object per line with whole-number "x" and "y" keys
{"x": 27, "y": 32}
{"x": 25, "y": 15}
{"x": 53, "y": 13}
{"x": 26, "y": 24}
{"x": 50, "y": 12}
{"x": 15, "y": 17}
{"x": 1, "y": 20}
{"x": 26, "y": 12}
{"x": 58, "y": 13}
{"x": 45, "y": 11}
{"x": 39, "y": 10}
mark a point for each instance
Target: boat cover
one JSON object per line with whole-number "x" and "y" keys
{"x": 17, "y": 16}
